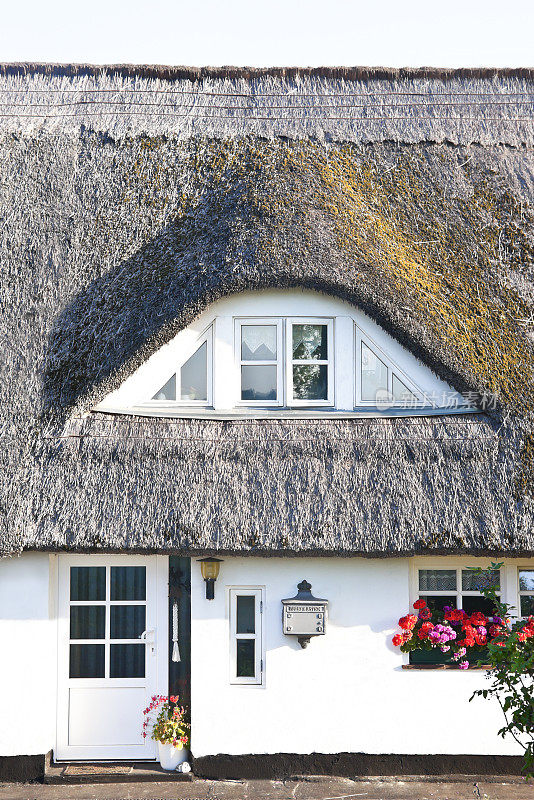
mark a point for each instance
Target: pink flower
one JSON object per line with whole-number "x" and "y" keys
{"x": 464, "y": 664}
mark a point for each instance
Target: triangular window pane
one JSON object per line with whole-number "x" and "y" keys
{"x": 168, "y": 391}
{"x": 194, "y": 375}
{"x": 374, "y": 375}
{"x": 401, "y": 391}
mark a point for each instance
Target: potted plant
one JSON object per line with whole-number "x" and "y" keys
{"x": 448, "y": 631}
{"x": 169, "y": 729}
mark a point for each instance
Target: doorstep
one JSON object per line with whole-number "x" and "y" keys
{"x": 123, "y": 772}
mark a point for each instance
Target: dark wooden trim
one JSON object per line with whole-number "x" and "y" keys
{"x": 350, "y": 765}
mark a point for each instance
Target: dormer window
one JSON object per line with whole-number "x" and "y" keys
{"x": 263, "y": 352}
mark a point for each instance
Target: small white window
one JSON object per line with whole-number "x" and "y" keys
{"x": 310, "y": 347}
{"x": 191, "y": 384}
{"x": 526, "y": 592}
{"x": 456, "y": 587}
{"x": 246, "y": 645}
{"x": 259, "y": 353}
{"x": 379, "y": 382}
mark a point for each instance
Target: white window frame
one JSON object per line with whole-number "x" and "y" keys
{"x": 259, "y": 594}
{"x": 523, "y": 592}
{"x": 277, "y": 321}
{"x": 329, "y": 362}
{"x": 207, "y": 337}
{"x": 392, "y": 368}
{"x": 457, "y": 566}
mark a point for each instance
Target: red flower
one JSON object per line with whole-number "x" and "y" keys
{"x": 478, "y": 618}
{"x": 481, "y": 640}
{"x": 427, "y": 626}
{"x": 398, "y": 639}
{"x": 408, "y": 622}
{"x": 522, "y": 636}
{"x": 454, "y": 615}
{"x": 406, "y": 636}
{"x": 425, "y": 613}
{"x": 467, "y": 642}
{"x": 419, "y": 603}
{"x": 495, "y": 630}
{"x": 468, "y": 629}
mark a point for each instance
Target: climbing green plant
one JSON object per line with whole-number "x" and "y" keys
{"x": 511, "y": 676}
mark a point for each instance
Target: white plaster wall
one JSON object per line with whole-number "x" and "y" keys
{"x": 28, "y": 656}
{"x": 347, "y": 690}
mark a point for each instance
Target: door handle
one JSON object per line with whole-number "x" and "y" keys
{"x": 149, "y": 636}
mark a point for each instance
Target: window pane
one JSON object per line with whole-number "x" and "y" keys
{"x": 88, "y": 622}
{"x": 310, "y": 382}
{"x": 471, "y": 582}
{"x": 258, "y": 342}
{"x": 128, "y": 583}
{"x": 437, "y": 580}
{"x": 401, "y": 393}
{"x": 258, "y": 383}
{"x": 245, "y": 614}
{"x": 87, "y": 583}
{"x": 374, "y": 375}
{"x": 438, "y": 603}
{"x": 127, "y": 622}
{"x": 470, "y": 604}
{"x": 310, "y": 341}
{"x": 194, "y": 375}
{"x": 168, "y": 391}
{"x": 87, "y": 661}
{"x": 526, "y": 580}
{"x": 245, "y": 658}
{"x": 527, "y": 605}
{"x": 127, "y": 661}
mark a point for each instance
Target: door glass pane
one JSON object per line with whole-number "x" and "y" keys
{"x": 194, "y": 375}
{"x": 438, "y": 603}
{"x": 168, "y": 391}
{"x": 127, "y": 622}
{"x": 128, "y": 583}
{"x": 472, "y": 603}
{"x": 245, "y": 614}
{"x": 245, "y": 658}
{"x": 87, "y": 661}
{"x": 127, "y": 661}
{"x": 258, "y": 383}
{"x": 88, "y": 622}
{"x": 401, "y": 391}
{"x": 471, "y": 581}
{"x": 526, "y": 580}
{"x": 437, "y": 580}
{"x": 87, "y": 583}
{"x": 374, "y": 375}
{"x": 258, "y": 342}
{"x": 310, "y": 382}
{"x": 310, "y": 342}
{"x": 527, "y": 605}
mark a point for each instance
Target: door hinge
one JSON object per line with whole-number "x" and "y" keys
{"x": 261, "y": 665}
{"x": 261, "y": 606}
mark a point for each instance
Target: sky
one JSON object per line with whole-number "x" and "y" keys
{"x": 258, "y": 33}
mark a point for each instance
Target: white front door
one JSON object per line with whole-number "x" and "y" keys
{"x": 112, "y": 653}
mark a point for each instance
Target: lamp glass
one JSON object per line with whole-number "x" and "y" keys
{"x": 209, "y": 568}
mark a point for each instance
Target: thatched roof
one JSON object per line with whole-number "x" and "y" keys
{"x": 121, "y": 223}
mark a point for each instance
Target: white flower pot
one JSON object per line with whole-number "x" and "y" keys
{"x": 170, "y": 756}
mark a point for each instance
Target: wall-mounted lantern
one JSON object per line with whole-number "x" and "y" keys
{"x": 210, "y": 572}
{"x": 304, "y": 615}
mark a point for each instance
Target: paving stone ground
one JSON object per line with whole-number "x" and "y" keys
{"x": 308, "y": 789}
